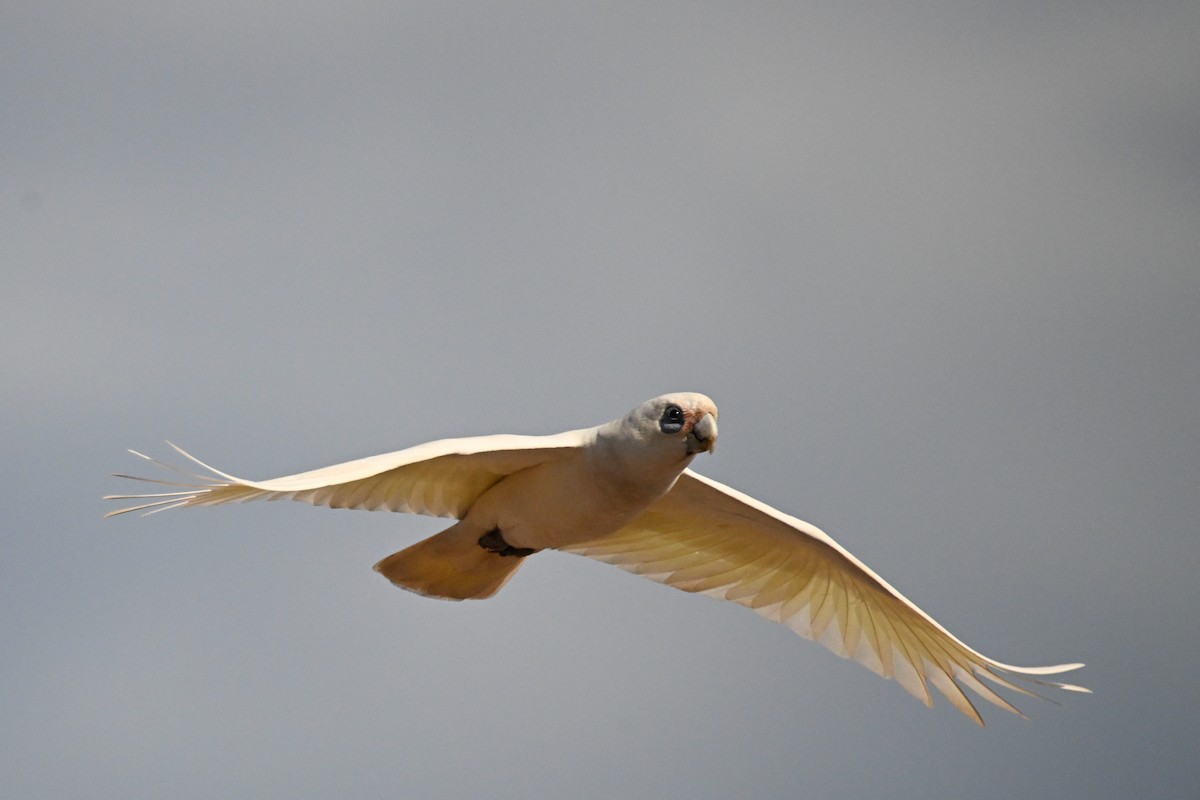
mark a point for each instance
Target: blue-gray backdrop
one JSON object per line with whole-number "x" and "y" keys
{"x": 937, "y": 262}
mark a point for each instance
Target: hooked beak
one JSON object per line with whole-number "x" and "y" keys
{"x": 703, "y": 438}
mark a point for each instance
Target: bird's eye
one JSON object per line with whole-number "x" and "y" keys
{"x": 672, "y": 420}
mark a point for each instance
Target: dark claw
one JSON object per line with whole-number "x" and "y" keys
{"x": 493, "y": 542}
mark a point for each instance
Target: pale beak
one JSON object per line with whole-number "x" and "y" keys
{"x": 703, "y": 438}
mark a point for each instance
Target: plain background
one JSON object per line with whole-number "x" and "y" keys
{"x": 937, "y": 262}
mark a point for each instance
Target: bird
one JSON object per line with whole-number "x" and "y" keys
{"x": 623, "y": 493}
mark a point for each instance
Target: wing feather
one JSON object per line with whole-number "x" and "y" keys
{"x": 441, "y": 478}
{"x": 705, "y": 537}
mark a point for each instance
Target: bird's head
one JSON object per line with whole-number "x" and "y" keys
{"x": 684, "y": 420}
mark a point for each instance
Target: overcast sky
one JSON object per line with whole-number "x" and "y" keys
{"x": 938, "y": 263}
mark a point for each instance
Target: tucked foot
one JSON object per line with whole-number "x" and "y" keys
{"x": 493, "y": 542}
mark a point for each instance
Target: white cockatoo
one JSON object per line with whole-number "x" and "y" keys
{"x": 622, "y": 492}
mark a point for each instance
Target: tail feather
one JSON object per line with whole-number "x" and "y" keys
{"x": 450, "y": 565}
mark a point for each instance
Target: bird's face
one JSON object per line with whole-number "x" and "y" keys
{"x": 686, "y": 421}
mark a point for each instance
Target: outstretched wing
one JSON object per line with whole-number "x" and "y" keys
{"x": 705, "y": 537}
{"x": 441, "y": 479}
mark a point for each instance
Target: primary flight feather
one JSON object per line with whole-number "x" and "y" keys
{"x": 622, "y": 493}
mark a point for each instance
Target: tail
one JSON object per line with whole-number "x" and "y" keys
{"x": 451, "y": 565}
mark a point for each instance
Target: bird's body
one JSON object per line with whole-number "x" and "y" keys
{"x": 540, "y": 508}
{"x": 622, "y": 493}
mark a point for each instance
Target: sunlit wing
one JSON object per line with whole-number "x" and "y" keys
{"x": 705, "y": 537}
{"x": 440, "y": 479}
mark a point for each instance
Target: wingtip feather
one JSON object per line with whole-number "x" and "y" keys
{"x": 197, "y": 486}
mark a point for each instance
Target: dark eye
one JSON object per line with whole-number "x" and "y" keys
{"x": 672, "y": 420}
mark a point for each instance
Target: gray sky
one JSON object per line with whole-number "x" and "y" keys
{"x": 938, "y": 263}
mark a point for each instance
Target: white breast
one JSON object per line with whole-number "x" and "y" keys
{"x": 560, "y": 504}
